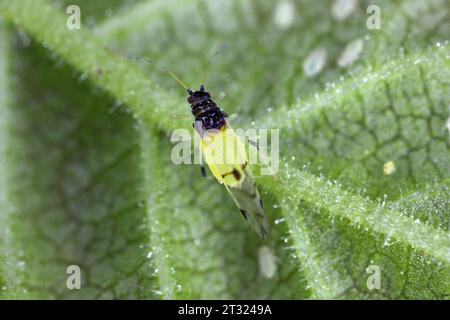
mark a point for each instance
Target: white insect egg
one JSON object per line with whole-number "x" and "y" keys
{"x": 267, "y": 262}
{"x": 342, "y": 9}
{"x": 351, "y": 53}
{"x": 284, "y": 14}
{"x": 315, "y": 62}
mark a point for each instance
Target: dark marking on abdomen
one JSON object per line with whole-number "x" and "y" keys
{"x": 236, "y": 174}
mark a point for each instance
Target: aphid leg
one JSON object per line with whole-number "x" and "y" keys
{"x": 254, "y": 143}
{"x": 198, "y": 126}
{"x": 232, "y": 117}
{"x": 228, "y": 118}
{"x": 203, "y": 171}
{"x": 263, "y": 158}
{"x": 220, "y": 97}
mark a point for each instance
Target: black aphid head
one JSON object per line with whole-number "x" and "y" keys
{"x": 196, "y": 97}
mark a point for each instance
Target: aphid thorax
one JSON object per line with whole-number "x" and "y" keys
{"x": 205, "y": 110}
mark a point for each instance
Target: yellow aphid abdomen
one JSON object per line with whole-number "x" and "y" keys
{"x": 225, "y": 155}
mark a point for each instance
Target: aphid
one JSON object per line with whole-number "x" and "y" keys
{"x": 217, "y": 137}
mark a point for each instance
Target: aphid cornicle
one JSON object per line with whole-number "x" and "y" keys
{"x": 217, "y": 136}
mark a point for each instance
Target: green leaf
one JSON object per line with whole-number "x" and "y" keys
{"x": 86, "y": 176}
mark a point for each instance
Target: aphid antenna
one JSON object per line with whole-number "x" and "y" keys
{"x": 210, "y": 61}
{"x": 163, "y": 68}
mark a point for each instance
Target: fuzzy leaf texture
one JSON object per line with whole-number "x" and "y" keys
{"x": 86, "y": 177}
